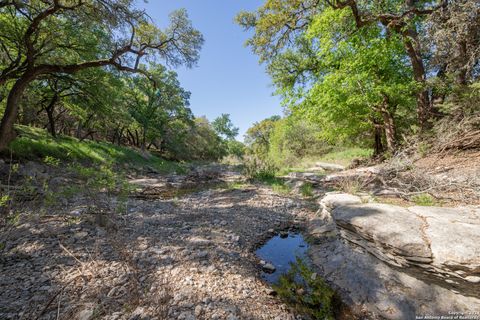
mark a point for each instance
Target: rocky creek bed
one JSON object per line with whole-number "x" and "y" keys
{"x": 190, "y": 257}
{"x": 193, "y": 256}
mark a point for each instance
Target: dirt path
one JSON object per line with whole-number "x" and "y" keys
{"x": 186, "y": 258}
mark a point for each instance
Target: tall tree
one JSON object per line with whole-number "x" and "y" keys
{"x": 258, "y": 135}
{"x": 154, "y": 104}
{"x": 454, "y": 32}
{"x": 55, "y": 37}
{"x": 278, "y": 23}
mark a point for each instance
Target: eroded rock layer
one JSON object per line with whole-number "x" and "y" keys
{"x": 399, "y": 261}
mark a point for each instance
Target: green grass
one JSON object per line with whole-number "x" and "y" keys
{"x": 35, "y": 144}
{"x": 306, "y": 190}
{"x": 277, "y": 184}
{"x": 425, "y": 200}
{"x": 345, "y": 156}
{"x": 236, "y": 186}
{"x": 286, "y": 171}
{"x": 307, "y": 292}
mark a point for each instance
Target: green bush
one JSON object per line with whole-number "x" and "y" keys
{"x": 256, "y": 169}
{"x": 235, "y": 148}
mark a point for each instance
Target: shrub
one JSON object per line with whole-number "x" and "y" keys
{"x": 256, "y": 169}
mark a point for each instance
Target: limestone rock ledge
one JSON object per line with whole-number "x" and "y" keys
{"x": 408, "y": 256}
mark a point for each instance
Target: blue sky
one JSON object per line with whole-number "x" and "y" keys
{"x": 228, "y": 78}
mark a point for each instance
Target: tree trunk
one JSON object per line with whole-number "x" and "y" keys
{"x": 461, "y": 74}
{"x": 7, "y": 131}
{"x": 78, "y": 132}
{"x": 137, "y": 139}
{"x": 120, "y": 136}
{"x": 115, "y": 134}
{"x": 413, "y": 47}
{"x": 50, "y": 109}
{"x": 144, "y": 139}
{"x": 378, "y": 133}
{"x": 389, "y": 126}
{"x": 131, "y": 138}
{"x": 423, "y": 97}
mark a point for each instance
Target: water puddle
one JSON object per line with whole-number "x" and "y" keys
{"x": 293, "y": 278}
{"x": 281, "y": 252}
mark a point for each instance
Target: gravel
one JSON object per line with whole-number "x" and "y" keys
{"x": 187, "y": 258}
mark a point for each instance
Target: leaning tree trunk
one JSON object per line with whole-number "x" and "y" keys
{"x": 7, "y": 130}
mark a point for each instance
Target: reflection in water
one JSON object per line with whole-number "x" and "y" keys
{"x": 281, "y": 252}
{"x": 294, "y": 279}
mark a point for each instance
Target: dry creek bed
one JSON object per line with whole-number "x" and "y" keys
{"x": 186, "y": 258}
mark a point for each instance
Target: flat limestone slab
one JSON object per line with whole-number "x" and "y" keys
{"x": 333, "y": 200}
{"x": 395, "y": 229}
{"x": 454, "y": 235}
{"x": 329, "y": 166}
{"x": 439, "y": 245}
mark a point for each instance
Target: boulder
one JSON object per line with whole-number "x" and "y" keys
{"x": 267, "y": 267}
{"x": 393, "y": 230}
{"x": 334, "y": 199}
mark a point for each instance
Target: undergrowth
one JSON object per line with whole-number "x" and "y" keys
{"x": 34, "y": 144}
{"x": 307, "y": 293}
{"x": 345, "y": 156}
{"x": 306, "y": 190}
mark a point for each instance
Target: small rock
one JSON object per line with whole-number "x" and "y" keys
{"x": 268, "y": 268}
{"x": 186, "y": 316}
{"x": 202, "y": 255}
{"x": 80, "y": 235}
{"x": 329, "y": 166}
{"x": 198, "y": 311}
{"x": 272, "y": 292}
{"x": 112, "y": 292}
{"x": 300, "y": 291}
{"x": 86, "y": 313}
{"x": 473, "y": 279}
{"x": 139, "y": 314}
